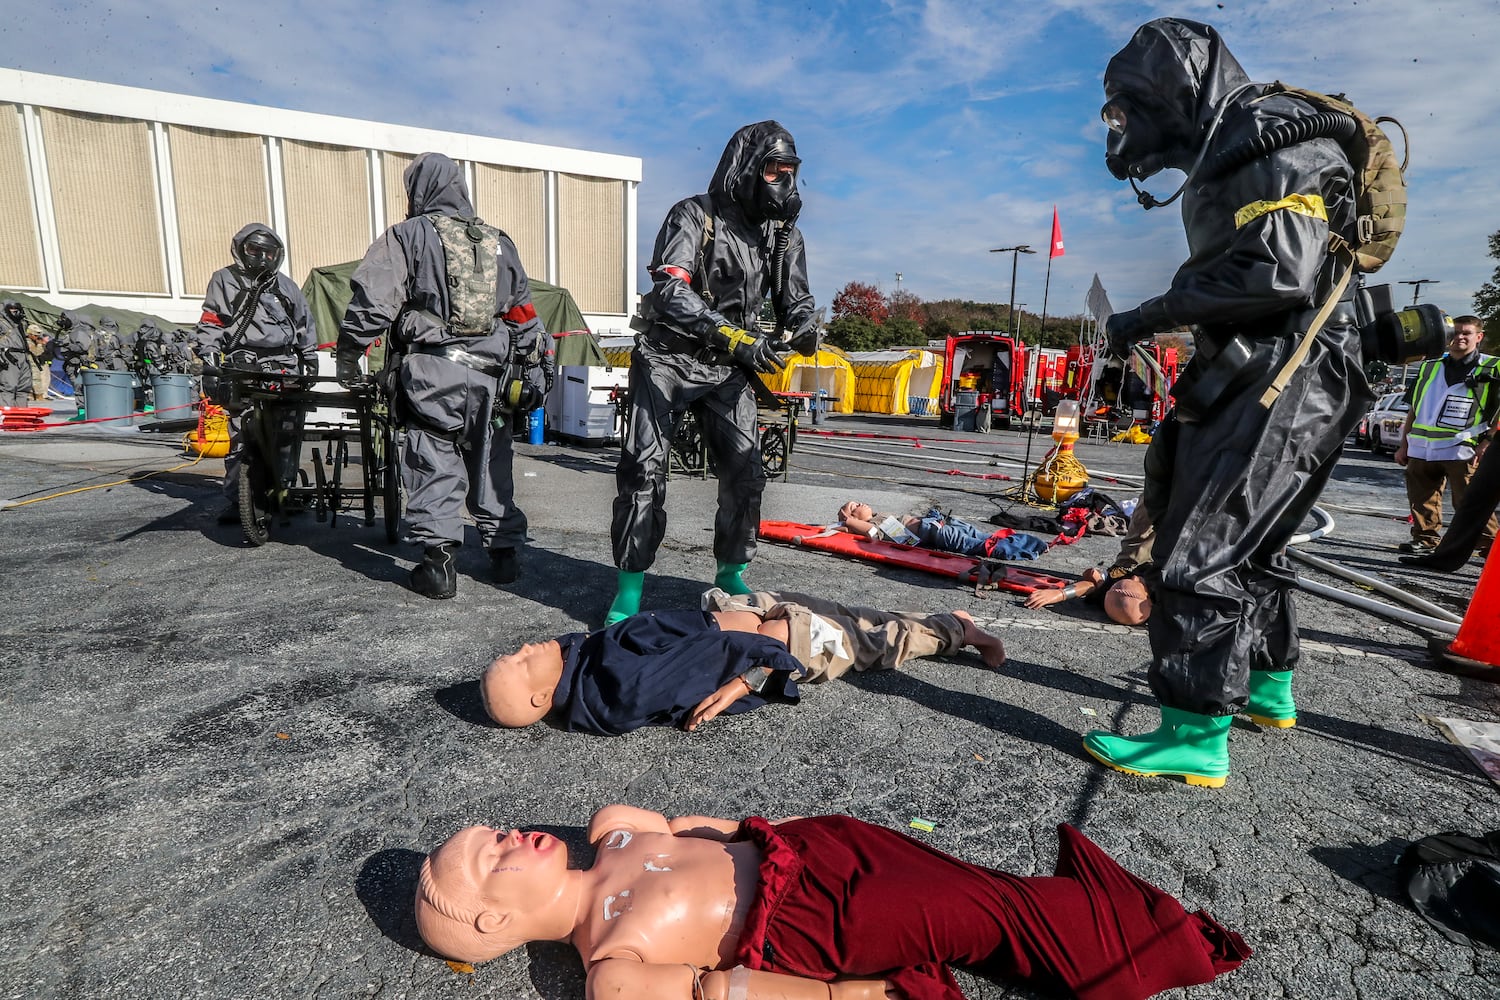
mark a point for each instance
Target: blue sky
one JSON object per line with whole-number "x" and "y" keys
{"x": 931, "y": 130}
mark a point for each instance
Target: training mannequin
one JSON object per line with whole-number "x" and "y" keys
{"x": 939, "y": 532}
{"x": 1123, "y": 593}
{"x": 684, "y": 668}
{"x": 818, "y": 908}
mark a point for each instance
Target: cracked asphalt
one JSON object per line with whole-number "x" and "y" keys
{"x": 220, "y": 764}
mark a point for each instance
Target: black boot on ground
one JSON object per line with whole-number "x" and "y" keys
{"x": 505, "y": 565}
{"x": 436, "y": 576}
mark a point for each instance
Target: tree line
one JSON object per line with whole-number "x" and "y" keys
{"x": 866, "y": 319}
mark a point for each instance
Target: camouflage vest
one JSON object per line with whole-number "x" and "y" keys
{"x": 470, "y": 251}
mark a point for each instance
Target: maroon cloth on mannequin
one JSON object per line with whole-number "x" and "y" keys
{"x": 841, "y": 898}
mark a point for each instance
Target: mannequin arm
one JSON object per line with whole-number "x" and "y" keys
{"x": 620, "y": 817}
{"x": 857, "y": 526}
{"x": 624, "y": 979}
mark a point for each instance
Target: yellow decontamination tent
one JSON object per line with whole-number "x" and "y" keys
{"x": 828, "y": 370}
{"x": 897, "y": 381}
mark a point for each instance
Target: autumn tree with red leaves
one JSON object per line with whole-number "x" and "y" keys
{"x": 859, "y": 299}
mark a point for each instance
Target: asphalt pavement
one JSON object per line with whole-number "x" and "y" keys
{"x": 221, "y": 764}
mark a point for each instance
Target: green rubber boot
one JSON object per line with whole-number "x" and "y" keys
{"x": 728, "y": 578}
{"x": 1192, "y": 747}
{"x": 1271, "y": 701}
{"x": 627, "y": 597}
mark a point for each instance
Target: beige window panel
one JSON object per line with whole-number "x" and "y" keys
{"x": 591, "y": 241}
{"x": 219, "y": 183}
{"x": 327, "y": 204}
{"x": 105, "y": 202}
{"x": 20, "y": 249}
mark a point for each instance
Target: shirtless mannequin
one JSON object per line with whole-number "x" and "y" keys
{"x": 1127, "y": 600}
{"x": 681, "y": 673}
{"x": 677, "y": 909}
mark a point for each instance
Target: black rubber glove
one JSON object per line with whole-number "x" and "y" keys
{"x": 1123, "y": 329}
{"x": 806, "y": 341}
{"x": 347, "y": 368}
{"x": 750, "y": 350}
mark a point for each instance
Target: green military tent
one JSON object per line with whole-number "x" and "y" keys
{"x": 44, "y": 313}
{"x": 327, "y": 291}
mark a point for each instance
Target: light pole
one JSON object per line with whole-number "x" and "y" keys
{"x": 1015, "y": 255}
{"x": 1417, "y": 286}
{"x": 898, "y": 282}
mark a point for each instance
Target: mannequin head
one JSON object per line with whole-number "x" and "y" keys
{"x": 486, "y": 891}
{"x": 1128, "y": 602}
{"x": 855, "y": 509}
{"x": 518, "y": 688}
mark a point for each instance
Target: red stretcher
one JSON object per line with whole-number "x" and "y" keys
{"x": 815, "y": 536}
{"x": 23, "y": 418}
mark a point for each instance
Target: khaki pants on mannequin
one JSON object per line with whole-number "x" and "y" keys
{"x": 872, "y": 639}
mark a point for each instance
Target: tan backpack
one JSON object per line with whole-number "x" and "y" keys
{"x": 1379, "y": 183}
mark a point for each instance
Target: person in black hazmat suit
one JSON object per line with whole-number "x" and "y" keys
{"x": 255, "y": 318}
{"x": 472, "y": 347}
{"x": 75, "y": 346}
{"x": 1229, "y": 479}
{"x": 15, "y": 356}
{"x": 698, "y": 349}
{"x": 110, "y": 352}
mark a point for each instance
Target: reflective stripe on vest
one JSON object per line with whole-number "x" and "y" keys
{"x": 1428, "y": 405}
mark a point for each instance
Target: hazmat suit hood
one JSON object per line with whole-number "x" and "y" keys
{"x": 237, "y": 253}
{"x": 1172, "y": 76}
{"x": 737, "y": 180}
{"x": 435, "y": 186}
{"x": 9, "y": 306}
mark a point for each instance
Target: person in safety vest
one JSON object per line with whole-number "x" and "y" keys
{"x": 1235, "y": 476}
{"x": 717, "y": 258}
{"x": 256, "y": 318}
{"x": 453, "y": 297}
{"x": 1451, "y": 415}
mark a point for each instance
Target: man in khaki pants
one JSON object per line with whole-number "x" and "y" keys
{"x": 1452, "y": 415}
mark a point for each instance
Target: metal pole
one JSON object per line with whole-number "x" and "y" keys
{"x": 1015, "y": 256}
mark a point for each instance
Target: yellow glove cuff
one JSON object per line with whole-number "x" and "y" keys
{"x": 736, "y": 336}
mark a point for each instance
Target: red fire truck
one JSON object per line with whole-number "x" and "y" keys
{"x": 984, "y": 379}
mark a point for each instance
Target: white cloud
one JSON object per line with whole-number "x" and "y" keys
{"x": 931, "y": 129}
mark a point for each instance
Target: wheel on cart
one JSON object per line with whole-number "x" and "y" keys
{"x": 687, "y": 446}
{"x": 390, "y": 471}
{"x": 773, "y": 450}
{"x": 255, "y": 511}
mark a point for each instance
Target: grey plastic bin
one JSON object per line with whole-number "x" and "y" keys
{"x": 174, "y": 394}
{"x": 107, "y": 394}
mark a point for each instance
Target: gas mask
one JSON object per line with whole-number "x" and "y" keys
{"x": 776, "y": 195}
{"x": 1138, "y": 145}
{"x": 259, "y": 254}
{"x": 15, "y": 314}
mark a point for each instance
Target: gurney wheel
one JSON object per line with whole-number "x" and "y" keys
{"x": 773, "y": 450}
{"x": 255, "y": 519}
{"x": 391, "y": 499}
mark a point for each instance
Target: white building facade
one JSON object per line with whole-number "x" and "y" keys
{"x": 128, "y": 197}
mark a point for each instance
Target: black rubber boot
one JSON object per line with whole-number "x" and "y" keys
{"x": 436, "y": 576}
{"x": 505, "y": 565}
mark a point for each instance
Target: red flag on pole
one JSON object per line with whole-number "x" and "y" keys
{"x": 1057, "y": 242}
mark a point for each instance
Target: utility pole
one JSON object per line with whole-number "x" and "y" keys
{"x": 1417, "y": 286}
{"x": 898, "y": 282}
{"x": 1015, "y": 255}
